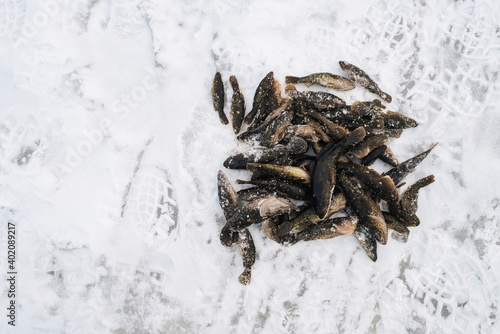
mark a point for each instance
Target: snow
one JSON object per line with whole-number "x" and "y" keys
{"x": 110, "y": 147}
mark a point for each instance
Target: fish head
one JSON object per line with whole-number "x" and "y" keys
{"x": 273, "y": 206}
{"x": 227, "y": 236}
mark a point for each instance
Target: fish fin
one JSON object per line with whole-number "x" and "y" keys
{"x": 291, "y": 80}
{"x": 308, "y": 84}
{"x": 245, "y": 277}
{"x": 378, "y": 227}
{"x": 387, "y": 98}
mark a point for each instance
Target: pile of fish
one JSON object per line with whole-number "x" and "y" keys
{"x": 310, "y": 165}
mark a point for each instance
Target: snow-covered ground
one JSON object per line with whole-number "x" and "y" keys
{"x": 110, "y": 147}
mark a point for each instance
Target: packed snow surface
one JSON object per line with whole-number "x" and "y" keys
{"x": 110, "y": 147}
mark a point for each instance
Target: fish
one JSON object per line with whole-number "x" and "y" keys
{"x": 409, "y": 201}
{"x": 327, "y": 229}
{"x": 246, "y": 247}
{"x": 392, "y": 119}
{"x": 400, "y": 231}
{"x": 329, "y": 80}
{"x": 309, "y": 216}
{"x": 265, "y": 107}
{"x": 299, "y": 192}
{"x": 367, "y": 241}
{"x": 324, "y": 176}
{"x": 315, "y": 99}
{"x": 382, "y": 186}
{"x": 228, "y": 200}
{"x": 290, "y": 173}
{"x": 237, "y": 105}
{"x": 218, "y": 98}
{"x": 407, "y": 220}
{"x": 259, "y": 95}
{"x": 266, "y": 154}
{"x": 373, "y": 155}
{"x": 257, "y": 130}
{"x": 276, "y": 129}
{"x": 389, "y": 157}
{"x": 367, "y": 145}
{"x": 398, "y": 173}
{"x": 228, "y": 237}
{"x": 249, "y": 194}
{"x": 365, "y": 207}
{"x": 269, "y": 229}
{"x": 335, "y": 130}
{"x": 358, "y": 75}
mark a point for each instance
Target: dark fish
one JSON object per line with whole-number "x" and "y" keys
{"x": 256, "y": 131}
{"x": 389, "y": 157}
{"x": 219, "y": 98}
{"x": 237, "y": 105}
{"x": 382, "y": 186}
{"x": 309, "y": 216}
{"x": 368, "y": 211}
{"x": 282, "y": 187}
{"x": 373, "y": 155}
{"x": 265, "y": 107}
{"x": 319, "y": 128}
{"x": 249, "y": 194}
{"x": 228, "y": 237}
{"x": 329, "y": 80}
{"x": 409, "y": 201}
{"x": 396, "y": 211}
{"x": 367, "y": 145}
{"x": 398, "y": 173}
{"x": 367, "y": 241}
{"x": 260, "y": 93}
{"x": 290, "y": 173}
{"x": 392, "y": 120}
{"x": 299, "y": 223}
{"x": 276, "y": 129}
{"x": 247, "y": 251}
{"x": 327, "y": 229}
{"x": 228, "y": 200}
{"x": 315, "y": 99}
{"x": 264, "y": 155}
{"x": 335, "y": 130}
{"x": 358, "y": 75}
{"x": 324, "y": 175}
{"x": 400, "y": 231}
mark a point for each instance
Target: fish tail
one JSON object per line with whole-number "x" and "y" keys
{"x": 245, "y": 277}
{"x": 386, "y": 97}
{"x": 291, "y": 80}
